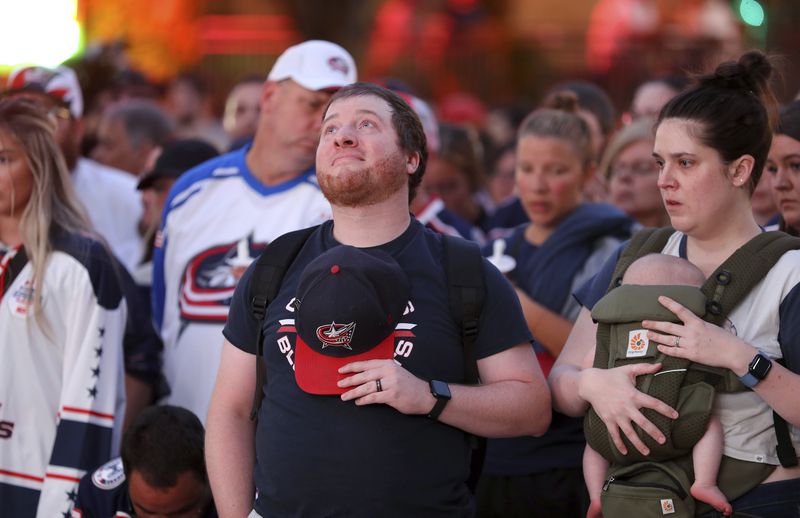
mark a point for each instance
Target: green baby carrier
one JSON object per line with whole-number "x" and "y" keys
{"x": 658, "y": 484}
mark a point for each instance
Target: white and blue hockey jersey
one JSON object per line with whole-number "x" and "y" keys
{"x": 62, "y": 393}
{"x": 217, "y": 219}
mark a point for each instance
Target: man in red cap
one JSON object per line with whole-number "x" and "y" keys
{"x": 349, "y": 426}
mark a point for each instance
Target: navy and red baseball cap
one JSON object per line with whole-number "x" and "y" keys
{"x": 350, "y": 301}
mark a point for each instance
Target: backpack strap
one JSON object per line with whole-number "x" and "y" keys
{"x": 464, "y": 268}
{"x": 265, "y": 283}
{"x": 646, "y": 241}
{"x": 466, "y": 291}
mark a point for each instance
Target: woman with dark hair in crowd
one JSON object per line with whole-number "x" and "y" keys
{"x": 455, "y": 174}
{"x": 783, "y": 164}
{"x": 62, "y": 317}
{"x": 632, "y": 174}
{"x": 711, "y": 145}
{"x": 565, "y": 243}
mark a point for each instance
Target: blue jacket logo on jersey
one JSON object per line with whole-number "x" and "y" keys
{"x": 21, "y": 302}
{"x": 210, "y": 279}
{"x": 110, "y": 475}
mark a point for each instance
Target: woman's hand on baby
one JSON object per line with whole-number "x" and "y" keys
{"x": 697, "y": 340}
{"x": 614, "y": 397}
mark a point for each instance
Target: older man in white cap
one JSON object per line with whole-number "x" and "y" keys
{"x": 221, "y": 214}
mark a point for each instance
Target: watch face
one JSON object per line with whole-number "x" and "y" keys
{"x": 440, "y": 389}
{"x": 760, "y": 366}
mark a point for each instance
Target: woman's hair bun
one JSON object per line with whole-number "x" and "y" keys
{"x": 563, "y": 100}
{"x": 751, "y": 73}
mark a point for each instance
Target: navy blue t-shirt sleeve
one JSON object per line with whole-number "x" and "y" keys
{"x": 241, "y": 327}
{"x": 789, "y": 330}
{"x": 93, "y": 502}
{"x": 595, "y": 288}
{"x": 502, "y": 324}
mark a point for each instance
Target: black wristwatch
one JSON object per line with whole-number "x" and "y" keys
{"x": 756, "y": 371}
{"x": 441, "y": 391}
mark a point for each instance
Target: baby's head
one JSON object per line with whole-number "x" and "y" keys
{"x": 663, "y": 269}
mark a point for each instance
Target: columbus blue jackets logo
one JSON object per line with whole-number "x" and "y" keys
{"x": 338, "y": 64}
{"x": 110, "y": 475}
{"x": 336, "y": 335}
{"x": 210, "y": 279}
{"x": 21, "y": 302}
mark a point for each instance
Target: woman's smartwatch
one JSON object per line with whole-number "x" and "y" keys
{"x": 441, "y": 391}
{"x": 756, "y": 371}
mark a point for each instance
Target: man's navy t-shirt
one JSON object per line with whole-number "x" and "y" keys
{"x": 320, "y": 456}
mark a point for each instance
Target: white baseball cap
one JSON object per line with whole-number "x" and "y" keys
{"x": 60, "y": 83}
{"x": 315, "y": 65}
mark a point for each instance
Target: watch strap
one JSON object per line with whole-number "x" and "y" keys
{"x": 748, "y": 380}
{"x": 437, "y": 408}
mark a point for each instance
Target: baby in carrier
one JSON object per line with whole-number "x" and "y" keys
{"x": 659, "y": 269}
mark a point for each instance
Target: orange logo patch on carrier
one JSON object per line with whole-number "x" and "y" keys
{"x": 637, "y": 343}
{"x": 667, "y": 507}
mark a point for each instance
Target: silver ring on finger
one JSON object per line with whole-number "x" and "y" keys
{"x": 378, "y": 385}
{"x": 677, "y": 341}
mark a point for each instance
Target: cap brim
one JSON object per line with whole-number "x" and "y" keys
{"x": 318, "y": 373}
{"x": 314, "y": 83}
{"x": 149, "y": 179}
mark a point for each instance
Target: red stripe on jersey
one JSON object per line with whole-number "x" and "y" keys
{"x": 21, "y": 475}
{"x": 62, "y": 477}
{"x": 87, "y": 412}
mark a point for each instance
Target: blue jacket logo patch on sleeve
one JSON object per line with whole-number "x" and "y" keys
{"x": 110, "y": 475}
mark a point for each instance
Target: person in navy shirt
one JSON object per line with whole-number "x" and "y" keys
{"x": 161, "y": 471}
{"x": 389, "y": 445}
{"x": 565, "y": 243}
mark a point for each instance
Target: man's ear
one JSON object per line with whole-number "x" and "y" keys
{"x": 268, "y": 92}
{"x": 412, "y": 163}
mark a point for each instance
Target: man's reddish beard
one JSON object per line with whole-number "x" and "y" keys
{"x": 360, "y": 187}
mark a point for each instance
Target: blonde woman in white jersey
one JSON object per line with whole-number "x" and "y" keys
{"x": 62, "y": 317}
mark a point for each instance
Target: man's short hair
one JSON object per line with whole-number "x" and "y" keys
{"x": 163, "y": 442}
{"x": 143, "y": 120}
{"x": 406, "y": 123}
